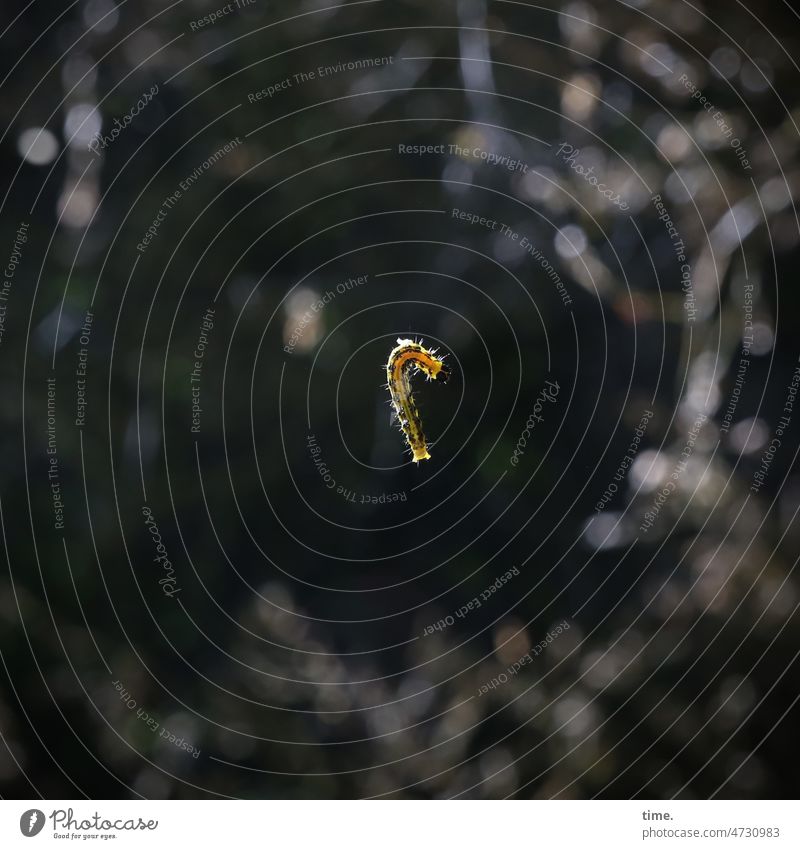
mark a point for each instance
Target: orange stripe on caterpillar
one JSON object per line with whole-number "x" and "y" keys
{"x": 405, "y": 359}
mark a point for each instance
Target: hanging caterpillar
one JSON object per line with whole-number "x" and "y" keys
{"x": 406, "y": 358}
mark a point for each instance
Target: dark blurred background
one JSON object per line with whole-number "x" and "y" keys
{"x": 287, "y": 648}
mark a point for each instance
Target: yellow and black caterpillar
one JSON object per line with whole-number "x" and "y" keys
{"x": 406, "y": 358}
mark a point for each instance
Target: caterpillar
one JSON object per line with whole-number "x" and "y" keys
{"x": 406, "y": 358}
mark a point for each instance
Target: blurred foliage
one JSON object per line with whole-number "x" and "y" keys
{"x": 293, "y": 657}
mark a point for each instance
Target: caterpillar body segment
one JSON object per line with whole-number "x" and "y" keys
{"x": 404, "y": 360}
